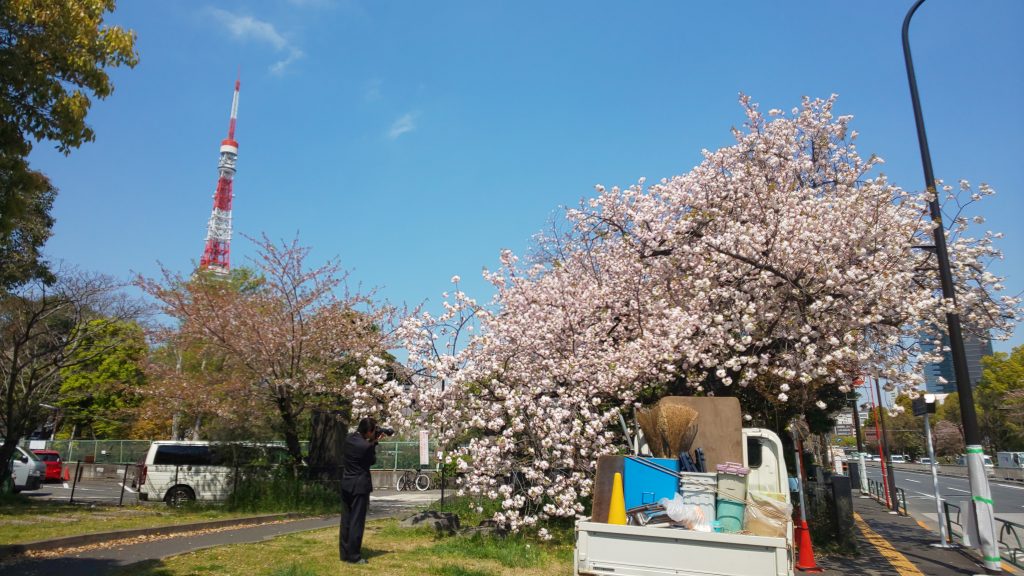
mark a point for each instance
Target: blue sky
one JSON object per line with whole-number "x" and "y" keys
{"x": 415, "y": 140}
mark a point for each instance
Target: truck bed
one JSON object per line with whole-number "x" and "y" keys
{"x": 603, "y": 549}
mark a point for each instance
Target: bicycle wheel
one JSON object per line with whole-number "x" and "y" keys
{"x": 422, "y": 482}
{"x": 402, "y": 483}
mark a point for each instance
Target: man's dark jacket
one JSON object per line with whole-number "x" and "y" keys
{"x": 360, "y": 454}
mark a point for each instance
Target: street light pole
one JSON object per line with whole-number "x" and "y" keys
{"x": 981, "y": 495}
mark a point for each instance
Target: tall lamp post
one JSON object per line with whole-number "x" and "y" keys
{"x": 981, "y": 495}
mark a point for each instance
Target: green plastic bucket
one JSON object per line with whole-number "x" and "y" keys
{"x": 730, "y": 514}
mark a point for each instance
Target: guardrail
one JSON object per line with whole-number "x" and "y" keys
{"x": 876, "y": 489}
{"x": 1010, "y": 548}
{"x": 1011, "y": 543}
{"x": 952, "y": 519}
{"x": 901, "y": 502}
{"x": 1011, "y": 474}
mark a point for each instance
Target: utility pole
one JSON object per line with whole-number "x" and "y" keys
{"x": 981, "y": 494}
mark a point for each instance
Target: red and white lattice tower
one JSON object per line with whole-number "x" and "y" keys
{"x": 216, "y": 255}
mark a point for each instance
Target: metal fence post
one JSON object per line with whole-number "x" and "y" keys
{"x": 78, "y": 474}
{"x": 124, "y": 480}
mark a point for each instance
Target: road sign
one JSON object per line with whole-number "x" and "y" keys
{"x": 924, "y": 405}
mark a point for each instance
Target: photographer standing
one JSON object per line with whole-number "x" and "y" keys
{"x": 360, "y": 454}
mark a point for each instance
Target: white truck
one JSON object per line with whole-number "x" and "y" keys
{"x": 1010, "y": 460}
{"x": 603, "y": 549}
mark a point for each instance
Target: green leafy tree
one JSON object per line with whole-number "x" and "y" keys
{"x": 949, "y": 411}
{"x": 999, "y": 399}
{"x": 906, "y": 430}
{"x": 26, "y": 197}
{"x": 100, "y": 390}
{"x": 54, "y": 56}
{"x": 43, "y": 329}
{"x": 53, "y": 60}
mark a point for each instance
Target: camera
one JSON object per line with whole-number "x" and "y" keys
{"x": 385, "y": 431}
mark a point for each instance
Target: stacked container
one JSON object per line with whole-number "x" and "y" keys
{"x": 698, "y": 488}
{"x": 732, "y": 495}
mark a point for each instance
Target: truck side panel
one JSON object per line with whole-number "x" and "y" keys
{"x": 646, "y": 551}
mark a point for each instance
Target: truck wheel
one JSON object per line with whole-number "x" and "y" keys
{"x": 179, "y": 495}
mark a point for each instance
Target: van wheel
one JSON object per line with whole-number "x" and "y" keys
{"x": 179, "y": 495}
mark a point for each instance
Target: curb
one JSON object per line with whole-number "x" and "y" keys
{"x": 11, "y": 550}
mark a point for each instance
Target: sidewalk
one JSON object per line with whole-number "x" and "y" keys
{"x": 899, "y": 545}
{"x": 105, "y": 558}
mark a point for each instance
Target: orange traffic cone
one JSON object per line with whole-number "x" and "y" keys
{"x": 67, "y": 474}
{"x": 617, "y": 504}
{"x": 805, "y": 562}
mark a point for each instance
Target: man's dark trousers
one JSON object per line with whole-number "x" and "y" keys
{"x": 353, "y": 520}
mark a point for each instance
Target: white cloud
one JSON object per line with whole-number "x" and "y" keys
{"x": 247, "y": 28}
{"x": 406, "y": 123}
{"x": 372, "y": 90}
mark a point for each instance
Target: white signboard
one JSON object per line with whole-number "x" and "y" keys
{"x": 424, "y": 449}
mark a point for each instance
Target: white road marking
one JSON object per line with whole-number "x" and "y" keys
{"x": 959, "y": 490}
{"x": 912, "y": 480}
{"x": 126, "y": 488}
{"x": 1009, "y": 486}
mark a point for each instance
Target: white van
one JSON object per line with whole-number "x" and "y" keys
{"x": 178, "y": 472}
{"x": 27, "y": 470}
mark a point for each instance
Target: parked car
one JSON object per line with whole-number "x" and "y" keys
{"x": 28, "y": 470}
{"x": 178, "y": 472}
{"x": 54, "y": 465}
{"x": 898, "y": 459}
{"x": 925, "y": 460}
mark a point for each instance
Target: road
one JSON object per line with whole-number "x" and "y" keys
{"x": 1007, "y": 497}
{"x": 98, "y": 490}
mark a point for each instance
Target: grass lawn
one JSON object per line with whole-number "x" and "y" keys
{"x": 390, "y": 550}
{"x": 23, "y": 520}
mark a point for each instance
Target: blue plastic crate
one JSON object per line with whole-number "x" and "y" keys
{"x": 644, "y": 484}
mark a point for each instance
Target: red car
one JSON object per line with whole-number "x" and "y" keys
{"x": 54, "y": 464}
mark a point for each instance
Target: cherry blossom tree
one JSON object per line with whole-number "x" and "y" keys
{"x": 776, "y": 270}
{"x": 292, "y": 339}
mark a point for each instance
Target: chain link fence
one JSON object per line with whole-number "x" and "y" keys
{"x": 390, "y": 455}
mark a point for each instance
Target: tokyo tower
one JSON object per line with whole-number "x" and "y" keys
{"x": 216, "y": 254}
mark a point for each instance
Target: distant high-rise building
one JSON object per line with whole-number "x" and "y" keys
{"x": 974, "y": 348}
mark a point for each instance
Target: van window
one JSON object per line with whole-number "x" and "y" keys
{"x": 182, "y": 455}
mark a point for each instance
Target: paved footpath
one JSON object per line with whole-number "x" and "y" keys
{"x": 899, "y": 545}
{"x": 103, "y": 560}
{"x": 889, "y": 545}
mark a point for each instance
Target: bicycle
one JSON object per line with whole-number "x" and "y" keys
{"x": 413, "y": 479}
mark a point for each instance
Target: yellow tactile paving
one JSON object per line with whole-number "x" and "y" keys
{"x": 903, "y": 566}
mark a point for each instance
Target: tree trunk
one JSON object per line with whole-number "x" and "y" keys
{"x": 327, "y": 445}
{"x": 289, "y": 423}
{"x": 6, "y": 453}
{"x": 195, "y": 428}
{"x": 176, "y": 426}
